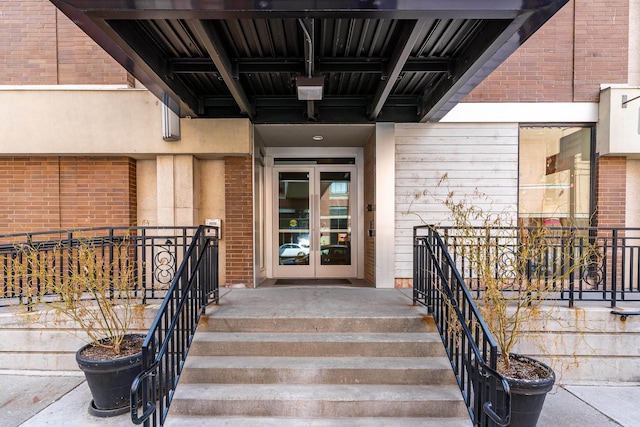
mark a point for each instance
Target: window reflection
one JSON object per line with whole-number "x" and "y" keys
{"x": 293, "y": 218}
{"x": 555, "y": 176}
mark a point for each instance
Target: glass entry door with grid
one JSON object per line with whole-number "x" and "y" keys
{"x": 313, "y": 221}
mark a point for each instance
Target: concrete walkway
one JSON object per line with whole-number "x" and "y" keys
{"x": 36, "y": 399}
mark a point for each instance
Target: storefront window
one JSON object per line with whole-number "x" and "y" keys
{"x": 555, "y": 176}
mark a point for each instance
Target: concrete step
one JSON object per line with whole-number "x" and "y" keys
{"x": 414, "y": 323}
{"x": 199, "y": 421}
{"x": 317, "y": 344}
{"x": 317, "y": 370}
{"x": 284, "y": 360}
{"x": 332, "y": 401}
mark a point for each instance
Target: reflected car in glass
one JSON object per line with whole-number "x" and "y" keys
{"x": 335, "y": 255}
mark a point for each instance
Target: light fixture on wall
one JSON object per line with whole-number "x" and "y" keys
{"x": 317, "y": 138}
{"x": 310, "y": 88}
{"x": 170, "y": 121}
{"x": 625, "y": 101}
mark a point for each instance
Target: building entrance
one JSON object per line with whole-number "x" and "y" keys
{"x": 314, "y": 221}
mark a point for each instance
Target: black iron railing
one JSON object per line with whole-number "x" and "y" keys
{"x": 165, "y": 348}
{"x": 575, "y": 264}
{"x": 471, "y": 349}
{"x": 156, "y": 253}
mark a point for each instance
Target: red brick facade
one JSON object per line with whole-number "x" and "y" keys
{"x": 369, "y": 214}
{"x": 49, "y": 193}
{"x": 40, "y": 45}
{"x": 611, "y": 191}
{"x": 550, "y": 68}
{"x": 237, "y": 230}
{"x": 566, "y": 60}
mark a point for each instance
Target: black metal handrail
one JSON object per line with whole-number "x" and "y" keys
{"x": 156, "y": 253}
{"x": 471, "y": 348}
{"x": 165, "y": 348}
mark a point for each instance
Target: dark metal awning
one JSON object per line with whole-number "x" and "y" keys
{"x": 379, "y": 60}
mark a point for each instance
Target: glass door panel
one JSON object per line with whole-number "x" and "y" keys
{"x": 335, "y": 218}
{"x": 293, "y": 218}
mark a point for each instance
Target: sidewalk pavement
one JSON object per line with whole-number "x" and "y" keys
{"x": 34, "y": 399}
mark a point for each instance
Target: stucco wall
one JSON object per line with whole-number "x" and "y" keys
{"x": 207, "y": 192}
{"x": 108, "y": 121}
{"x": 633, "y": 198}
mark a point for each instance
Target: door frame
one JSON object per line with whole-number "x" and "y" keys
{"x": 357, "y": 240}
{"x": 315, "y": 268}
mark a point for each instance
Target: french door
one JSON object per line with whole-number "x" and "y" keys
{"x": 314, "y": 218}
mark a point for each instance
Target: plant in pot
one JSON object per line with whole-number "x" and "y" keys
{"x": 512, "y": 272}
{"x": 91, "y": 283}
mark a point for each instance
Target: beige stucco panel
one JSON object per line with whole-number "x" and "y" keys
{"x": 633, "y": 197}
{"x": 108, "y": 122}
{"x": 156, "y": 204}
{"x": 147, "y": 192}
{"x": 618, "y": 131}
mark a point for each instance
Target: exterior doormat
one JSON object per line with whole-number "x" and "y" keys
{"x": 313, "y": 282}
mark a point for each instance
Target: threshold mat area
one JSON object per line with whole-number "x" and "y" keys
{"x": 313, "y": 282}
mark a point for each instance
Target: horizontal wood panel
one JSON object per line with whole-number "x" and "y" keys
{"x": 474, "y": 158}
{"x": 461, "y": 146}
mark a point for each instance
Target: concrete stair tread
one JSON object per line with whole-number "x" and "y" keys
{"x": 297, "y": 337}
{"x": 415, "y": 321}
{"x": 326, "y": 392}
{"x": 317, "y": 370}
{"x": 318, "y": 400}
{"x": 203, "y": 421}
{"x": 276, "y": 362}
{"x": 295, "y": 344}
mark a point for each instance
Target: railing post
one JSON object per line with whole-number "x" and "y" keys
{"x": 614, "y": 269}
{"x": 416, "y": 266}
{"x": 572, "y": 269}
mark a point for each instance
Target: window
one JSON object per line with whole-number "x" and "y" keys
{"x": 339, "y": 188}
{"x": 555, "y": 176}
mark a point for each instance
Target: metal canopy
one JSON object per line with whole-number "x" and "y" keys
{"x": 382, "y": 60}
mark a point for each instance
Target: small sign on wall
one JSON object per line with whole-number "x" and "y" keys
{"x": 215, "y": 223}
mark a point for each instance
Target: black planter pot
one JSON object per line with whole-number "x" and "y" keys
{"x": 527, "y": 396}
{"x": 110, "y": 382}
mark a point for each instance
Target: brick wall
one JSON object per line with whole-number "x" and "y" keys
{"x": 49, "y": 193}
{"x": 238, "y": 222}
{"x": 611, "y": 193}
{"x": 548, "y": 67}
{"x": 369, "y": 215}
{"x": 28, "y": 42}
{"x": 81, "y": 60}
{"x": 30, "y": 194}
{"x": 611, "y": 196}
{"x": 40, "y": 45}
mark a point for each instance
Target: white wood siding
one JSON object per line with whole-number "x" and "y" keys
{"x": 473, "y": 156}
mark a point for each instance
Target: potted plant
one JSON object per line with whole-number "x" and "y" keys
{"x": 512, "y": 270}
{"x": 92, "y": 283}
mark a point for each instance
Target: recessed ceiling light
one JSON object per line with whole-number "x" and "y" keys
{"x": 318, "y": 138}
